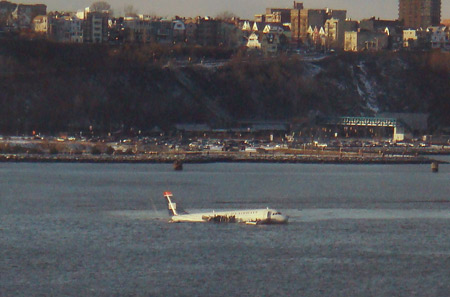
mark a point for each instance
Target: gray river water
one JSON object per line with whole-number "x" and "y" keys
{"x": 101, "y": 230}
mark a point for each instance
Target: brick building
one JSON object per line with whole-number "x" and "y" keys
{"x": 420, "y": 13}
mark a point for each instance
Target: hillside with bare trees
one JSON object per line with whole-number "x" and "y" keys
{"x": 51, "y": 88}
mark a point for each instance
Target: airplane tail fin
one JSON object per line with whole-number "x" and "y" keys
{"x": 172, "y": 205}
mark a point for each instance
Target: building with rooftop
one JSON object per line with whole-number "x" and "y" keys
{"x": 357, "y": 41}
{"x": 24, "y": 14}
{"x": 96, "y": 27}
{"x": 40, "y": 24}
{"x": 304, "y": 19}
{"x": 420, "y": 13}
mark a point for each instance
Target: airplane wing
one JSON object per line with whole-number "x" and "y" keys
{"x": 219, "y": 218}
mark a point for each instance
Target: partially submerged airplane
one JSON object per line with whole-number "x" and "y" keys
{"x": 248, "y": 216}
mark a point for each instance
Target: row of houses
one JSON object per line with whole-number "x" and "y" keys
{"x": 352, "y": 36}
{"x": 99, "y": 27}
{"x": 394, "y": 38}
{"x": 279, "y": 29}
{"x": 203, "y": 31}
{"x": 326, "y": 29}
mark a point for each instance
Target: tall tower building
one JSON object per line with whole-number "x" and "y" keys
{"x": 420, "y": 13}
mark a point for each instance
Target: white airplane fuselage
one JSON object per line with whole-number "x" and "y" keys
{"x": 248, "y": 216}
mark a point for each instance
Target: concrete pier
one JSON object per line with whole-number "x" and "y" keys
{"x": 212, "y": 158}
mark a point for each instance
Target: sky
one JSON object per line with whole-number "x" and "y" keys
{"x": 356, "y": 9}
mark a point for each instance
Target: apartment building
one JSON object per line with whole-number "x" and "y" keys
{"x": 96, "y": 27}
{"x": 303, "y": 20}
{"x": 420, "y": 13}
{"x": 335, "y": 32}
{"x": 206, "y": 33}
{"x": 357, "y": 41}
{"x": 24, "y": 14}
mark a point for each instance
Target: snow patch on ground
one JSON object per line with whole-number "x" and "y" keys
{"x": 366, "y": 88}
{"x": 312, "y": 69}
{"x": 341, "y": 86}
{"x": 403, "y": 64}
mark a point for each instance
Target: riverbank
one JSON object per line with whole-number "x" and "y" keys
{"x": 219, "y": 157}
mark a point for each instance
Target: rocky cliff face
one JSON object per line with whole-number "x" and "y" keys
{"x": 72, "y": 90}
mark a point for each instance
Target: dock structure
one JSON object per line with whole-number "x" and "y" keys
{"x": 366, "y": 121}
{"x": 399, "y": 129}
{"x": 318, "y": 157}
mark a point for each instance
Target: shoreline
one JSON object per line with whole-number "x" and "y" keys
{"x": 213, "y": 158}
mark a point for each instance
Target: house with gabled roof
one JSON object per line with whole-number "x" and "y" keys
{"x": 270, "y": 43}
{"x": 440, "y": 37}
{"x": 270, "y": 28}
{"x": 316, "y": 36}
{"x": 246, "y": 26}
{"x": 258, "y": 26}
{"x": 253, "y": 41}
{"x": 179, "y": 30}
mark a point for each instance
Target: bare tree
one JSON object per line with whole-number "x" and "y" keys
{"x": 226, "y": 16}
{"x": 100, "y": 6}
{"x": 130, "y": 11}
